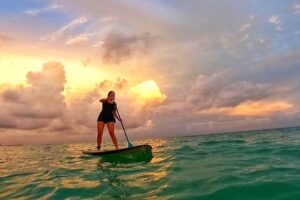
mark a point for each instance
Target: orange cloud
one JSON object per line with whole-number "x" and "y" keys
{"x": 147, "y": 92}
{"x": 252, "y": 108}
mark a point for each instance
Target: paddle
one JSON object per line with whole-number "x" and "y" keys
{"x": 129, "y": 144}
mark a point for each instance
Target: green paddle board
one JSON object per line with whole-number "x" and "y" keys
{"x": 135, "y": 153}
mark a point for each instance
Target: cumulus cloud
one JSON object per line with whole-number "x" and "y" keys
{"x": 146, "y": 92}
{"x": 39, "y": 106}
{"x": 222, "y": 102}
{"x": 136, "y": 103}
{"x": 222, "y": 90}
{"x": 36, "y": 105}
{"x": 118, "y": 46}
{"x": 107, "y": 85}
{"x": 227, "y": 60}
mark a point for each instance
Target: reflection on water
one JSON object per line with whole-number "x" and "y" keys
{"x": 262, "y": 165}
{"x": 111, "y": 182}
{"x": 63, "y": 172}
{"x": 119, "y": 180}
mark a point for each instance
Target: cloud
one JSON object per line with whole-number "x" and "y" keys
{"x": 121, "y": 84}
{"x": 221, "y": 102}
{"x": 245, "y": 27}
{"x": 35, "y": 12}
{"x": 36, "y": 105}
{"x": 207, "y": 86}
{"x": 118, "y": 46}
{"x": 296, "y": 9}
{"x": 107, "y": 85}
{"x": 281, "y": 70}
{"x": 228, "y": 57}
{"x": 66, "y": 30}
{"x": 146, "y": 92}
{"x": 78, "y": 40}
{"x": 82, "y": 110}
{"x": 223, "y": 89}
{"x": 276, "y": 21}
{"x": 252, "y": 109}
{"x": 135, "y": 108}
{"x": 40, "y": 107}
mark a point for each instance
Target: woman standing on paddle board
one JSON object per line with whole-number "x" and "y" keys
{"x": 107, "y": 116}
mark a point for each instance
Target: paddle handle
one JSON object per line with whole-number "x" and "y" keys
{"x": 129, "y": 144}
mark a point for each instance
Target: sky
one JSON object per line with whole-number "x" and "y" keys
{"x": 178, "y": 67}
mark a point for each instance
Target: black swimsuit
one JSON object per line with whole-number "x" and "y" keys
{"x": 106, "y": 115}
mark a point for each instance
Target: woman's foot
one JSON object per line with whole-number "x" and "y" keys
{"x": 98, "y": 148}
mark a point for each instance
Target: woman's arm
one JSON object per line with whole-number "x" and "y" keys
{"x": 115, "y": 113}
{"x": 102, "y": 100}
{"x": 116, "y": 116}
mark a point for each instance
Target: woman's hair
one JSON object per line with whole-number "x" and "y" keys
{"x": 109, "y": 93}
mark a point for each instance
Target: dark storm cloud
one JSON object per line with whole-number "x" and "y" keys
{"x": 118, "y": 46}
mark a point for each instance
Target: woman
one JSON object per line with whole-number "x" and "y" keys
{"x": 107, "y": 116}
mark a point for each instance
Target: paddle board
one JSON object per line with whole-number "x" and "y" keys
{"x": 143, "y": 149}
{"x": 140, "y": 153}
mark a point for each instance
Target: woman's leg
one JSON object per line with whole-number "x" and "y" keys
{"x": 111, "y": 130}
{"x": 100, "y": 127}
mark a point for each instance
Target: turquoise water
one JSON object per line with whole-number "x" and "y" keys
{"x": 250, "y": 165}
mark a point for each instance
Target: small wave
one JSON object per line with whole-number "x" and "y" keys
{"x": 247, "y": 166}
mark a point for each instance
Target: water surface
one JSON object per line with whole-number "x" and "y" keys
{"x": 249, "y": 165}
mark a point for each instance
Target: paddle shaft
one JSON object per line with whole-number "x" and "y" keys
{"x": 129, "y": 144}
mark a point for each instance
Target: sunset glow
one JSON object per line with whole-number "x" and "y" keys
{"x": 175, "y": 67}
{"x": 252, "y": 109}
{"x": 260, "y": 108}
{"x": 147, "y": 92}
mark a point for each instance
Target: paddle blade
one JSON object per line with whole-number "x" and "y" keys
{"x": 130, "y": 145}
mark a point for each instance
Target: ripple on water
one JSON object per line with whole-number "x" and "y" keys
{"x": 253, "y": 165}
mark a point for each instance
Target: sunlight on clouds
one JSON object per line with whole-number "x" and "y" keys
{"x": 13, "y": 69}
{"x": 215, "y": 72}
{"x": 82, "y": 79}
{"x": 81, "y": 39}
{"x": 147, "y": 92}
{"x": 252, "y": 108}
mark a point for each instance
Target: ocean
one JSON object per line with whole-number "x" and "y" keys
{"x": 252, "y": 165}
